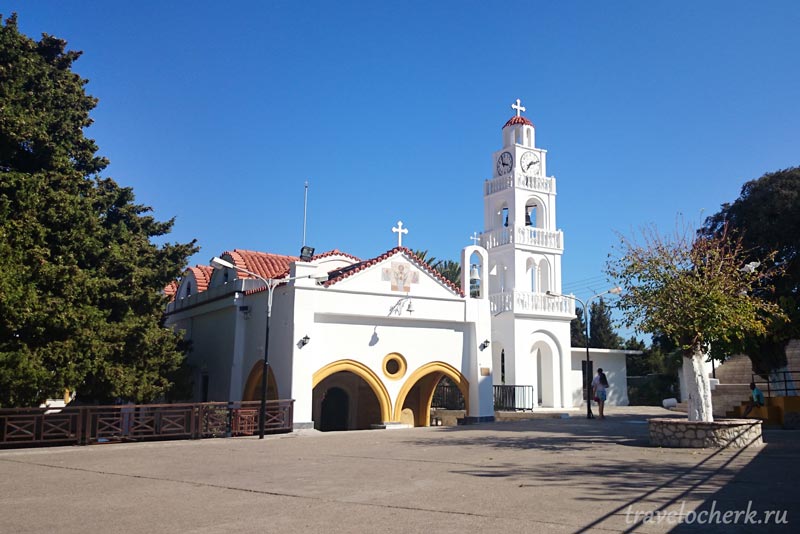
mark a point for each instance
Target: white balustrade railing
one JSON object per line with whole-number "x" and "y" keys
{"x": 537, "y": 183}
{"x": 542, "y": 184}
{"x": 538, "y": 237}
{"x": 523, "y": 235}
{"x": 533, "y": 303}
{"x": 498, "y": 184}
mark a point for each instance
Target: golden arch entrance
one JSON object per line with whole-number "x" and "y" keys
{"x": 413, "y": 403}
{"x": 339, "y": 375}
{"x": 252, "y": 388}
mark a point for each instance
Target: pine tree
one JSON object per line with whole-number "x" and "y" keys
{"x": 80, "y": 279}
{"x": 577, "y": 329}
{"x": 601, "y": 331}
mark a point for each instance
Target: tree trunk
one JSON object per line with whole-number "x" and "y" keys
{"x": 782, "y": 383}
{"x": 698, "y": 389}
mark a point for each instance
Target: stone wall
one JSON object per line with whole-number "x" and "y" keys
{"x": 731, "y": 433}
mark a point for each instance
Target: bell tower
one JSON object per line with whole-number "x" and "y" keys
{"x": 525, "y": 249}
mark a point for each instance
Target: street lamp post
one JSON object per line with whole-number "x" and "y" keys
{"x": 271, "y": 283}
{"x": 588, "y": 377}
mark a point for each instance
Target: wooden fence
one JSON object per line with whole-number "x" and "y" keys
{"x": 86, "y": 425}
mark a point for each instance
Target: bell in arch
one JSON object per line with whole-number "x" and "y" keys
{"x": 474, "y": 273}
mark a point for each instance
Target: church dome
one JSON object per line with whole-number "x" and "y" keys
{"x": 518, "y": 120}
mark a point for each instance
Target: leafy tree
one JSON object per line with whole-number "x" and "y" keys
{"x": 660, "y": 357}
{"x": 695, "y": 292}
{"x": 447, "y": 268}
{"x": 766, "y": 217}
{"x": 601, "y": 331}
{"x": 634, "y": 343}
{"x": 652, "y": 374}
{"x": 80, "y": 279}
{"x": 450, "y": 270}
{"x": 423, "y": 256}
{"x": 577, "y": 329}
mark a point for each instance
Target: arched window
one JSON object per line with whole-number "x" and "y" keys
{"x": 530, "y": 268}
{"x": 533, "y": 213}
{"x": 544, "y": 276}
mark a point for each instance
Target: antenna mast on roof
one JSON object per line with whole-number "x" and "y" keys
{"x": 305, "y": 208}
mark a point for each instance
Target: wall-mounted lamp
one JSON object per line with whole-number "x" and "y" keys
{"x": 303, "y": 342}
{"x": 483, "y": 345}
{"x": 306, "y": 253}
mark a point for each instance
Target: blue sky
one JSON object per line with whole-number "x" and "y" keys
{"x": 391, "y": 110}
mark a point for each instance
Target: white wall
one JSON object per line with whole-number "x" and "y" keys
{"x": 613, "y": 364}
{"x": 358, "y": 318}
{"x": 212, "y": 350}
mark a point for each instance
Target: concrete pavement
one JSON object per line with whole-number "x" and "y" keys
{"x": 541, "y": 475}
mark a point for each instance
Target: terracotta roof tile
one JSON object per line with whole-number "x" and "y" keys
{"x": 202, "y": 275}
{"x": 335, "y": 252}
{"x": 171, "y": 289}
{"x": 346, "y": 272}
{"x": 517, "y": 120}
{"x": 266, "y": 265}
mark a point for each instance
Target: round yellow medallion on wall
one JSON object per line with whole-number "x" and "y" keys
{"x": 394, "y": 365}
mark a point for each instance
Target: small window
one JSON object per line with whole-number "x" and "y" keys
{"x": 394, "y": 365}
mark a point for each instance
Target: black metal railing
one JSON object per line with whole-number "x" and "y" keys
{"x": 779, "y": 383}
{"x": 513, "y": 398}
{"x": 86, "y": 425}
{"x": 447, "y": 397}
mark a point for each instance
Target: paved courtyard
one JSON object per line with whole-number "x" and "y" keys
{"x": 541, "y": 475}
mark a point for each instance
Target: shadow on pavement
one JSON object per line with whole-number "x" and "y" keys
{"x": 662, "y": 483}
{"x": 767, "y": 484}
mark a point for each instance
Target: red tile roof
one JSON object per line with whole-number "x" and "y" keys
{"x": 335, "y": 252}
{"x": 202, "y": 275}
{"x": 518, "y": 120}
{"x": 262, "y": 263}
{"x": 346, "y": 272}
{"x": 277, "y": 266}
{"x": 170, "y": 290}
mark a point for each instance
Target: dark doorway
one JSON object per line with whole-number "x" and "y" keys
{"x": 335, "y": 406}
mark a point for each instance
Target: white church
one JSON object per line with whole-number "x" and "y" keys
{"x": 364, "y": 343}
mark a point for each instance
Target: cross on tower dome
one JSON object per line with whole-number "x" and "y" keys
{"x": 518, "y": 118}
{"x": 518, "y": 107}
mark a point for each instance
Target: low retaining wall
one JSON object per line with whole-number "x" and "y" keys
{"x": 731, "y": 433}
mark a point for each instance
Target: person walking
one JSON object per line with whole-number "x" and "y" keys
{"x": 599, "y": 387}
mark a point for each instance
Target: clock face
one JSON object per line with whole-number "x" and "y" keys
{"x": 505, "y": 163}
{"x": 530, "y": 164}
